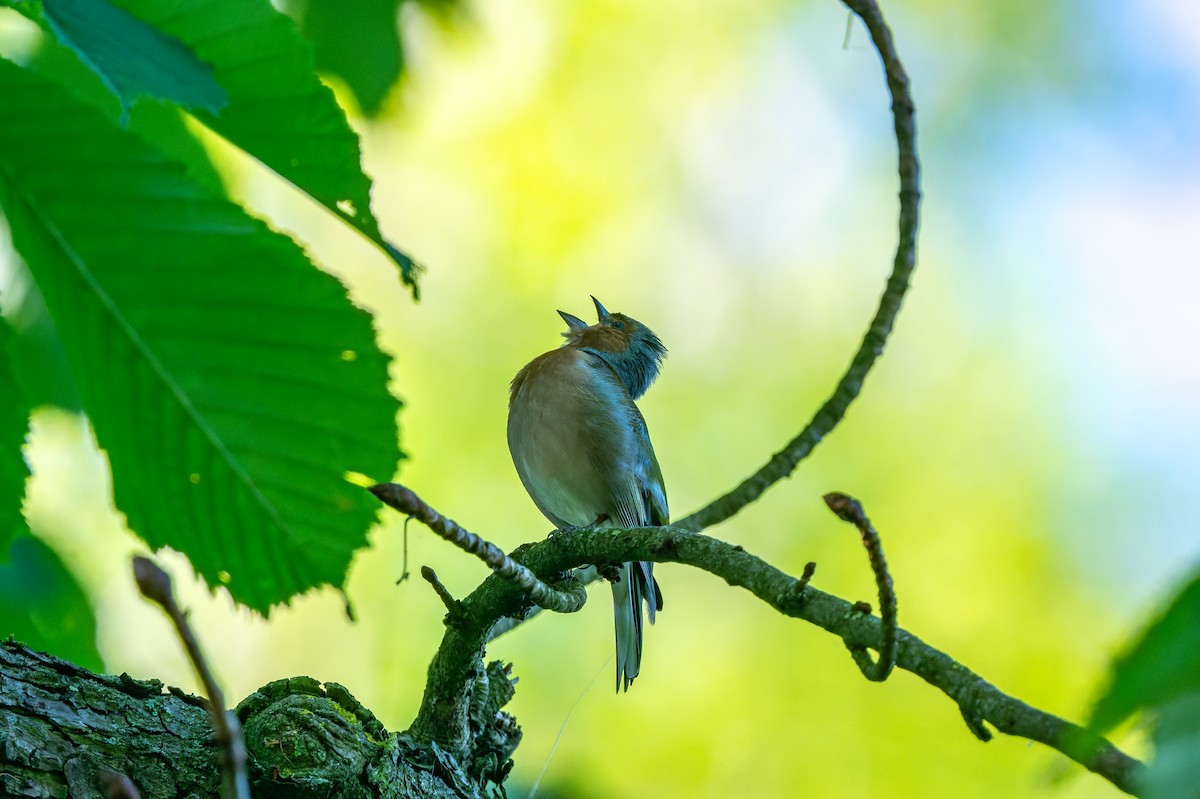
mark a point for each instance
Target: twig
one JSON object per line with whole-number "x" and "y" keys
{"x": 404, "y": 562}
{"x": 452, "y": 604}
{"x": 975, "y": 724}
{"x": 978, "y": 699}
{"x": 784, "y": 462}
{"x": 806, "y": 576}
{"x": 849, "y": 509}
{"x": 567, "y": 600}
{"x": 155, "y": 585}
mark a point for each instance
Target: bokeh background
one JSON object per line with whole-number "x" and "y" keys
{"x": 724, "y": 171}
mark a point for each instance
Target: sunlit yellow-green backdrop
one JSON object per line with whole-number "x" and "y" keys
{"x": 724, "y": 171}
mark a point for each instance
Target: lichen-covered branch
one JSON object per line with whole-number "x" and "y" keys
{"x": 497, "y": 598}
{"x": 784, "y": 462}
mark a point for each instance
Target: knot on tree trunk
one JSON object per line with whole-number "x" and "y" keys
{"x": 308, "y": 739}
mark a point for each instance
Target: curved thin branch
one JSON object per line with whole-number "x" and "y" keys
{"x": 566, "y": 600}
{"x": 784, "y": 462}
{"x": 155, "y": 585}
{"x": 979, "y": 700}
{"x": 849, "y": 509}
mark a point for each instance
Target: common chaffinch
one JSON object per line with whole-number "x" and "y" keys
{"x": 583, "y": 452}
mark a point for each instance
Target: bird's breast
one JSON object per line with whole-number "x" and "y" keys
{"x": 569, "y": 432}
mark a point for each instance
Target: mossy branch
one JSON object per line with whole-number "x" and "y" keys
{"x": 979, "y": 700}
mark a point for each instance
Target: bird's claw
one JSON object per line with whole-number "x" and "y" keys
{"x": 610, "y": 572}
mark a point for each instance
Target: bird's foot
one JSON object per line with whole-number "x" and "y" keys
{"x": 570, "y": 528}
{"x": 610, "y": 572}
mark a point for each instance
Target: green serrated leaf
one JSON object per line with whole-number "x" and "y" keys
{"x": 231, "y": 383}
{"x": 36, "y": 355}
{"x": 278, "y": 112}
{"x": 160, "y": 122}
{"x": 14, "y": 424}
{"x": 132, "y": 58}
{"x": 1162, "y": 666}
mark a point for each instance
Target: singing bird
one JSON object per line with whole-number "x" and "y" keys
{"x": 583, "y": 452}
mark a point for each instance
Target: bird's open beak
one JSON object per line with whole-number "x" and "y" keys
{"x": 601, "y": 312}
{"x": 573, "y": 322}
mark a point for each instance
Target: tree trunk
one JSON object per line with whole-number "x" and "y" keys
{"x": 66, "y": 732}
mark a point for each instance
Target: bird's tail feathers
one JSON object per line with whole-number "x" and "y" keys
{"x": 635, "y": 586}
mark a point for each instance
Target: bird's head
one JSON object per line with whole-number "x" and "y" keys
{"x": 624, "y": 343}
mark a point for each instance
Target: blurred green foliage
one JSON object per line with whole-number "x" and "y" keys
{"x": 360, "y": 43}
{"x": 42, "y": 606}
{"x": 1175, "y": 773}
{"x": 357, "y": 42}
{"x": 1162, "y": 666}
{"x": 14, "y": 422}
{"x": 1160, "y": 673}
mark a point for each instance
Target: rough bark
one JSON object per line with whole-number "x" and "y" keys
{"x": 62, "y": 728}
{"x": 62, "y": 725}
